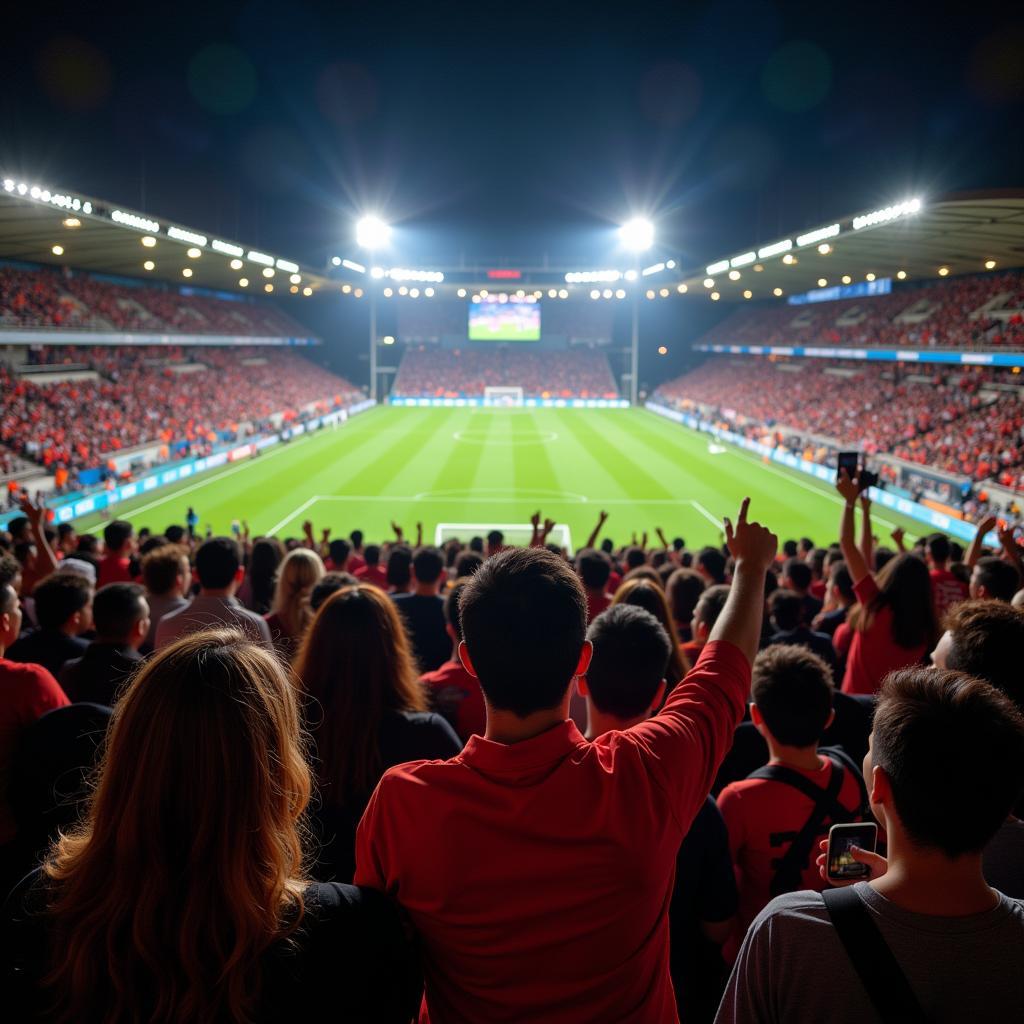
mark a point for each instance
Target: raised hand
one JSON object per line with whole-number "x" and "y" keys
{"x": 848, "y": 487}
{"x": 549, "y": 525}
{"x": 897, "y": 536}
{"x": 751, "y": 544}
{"x": 397, "y": 530}
{"x": 35, "y": 514}
{"x": 535, "y": 520}
{"x": 875, "y": 861}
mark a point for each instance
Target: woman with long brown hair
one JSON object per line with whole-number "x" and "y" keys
{"x": 291, "y": 614}
{"x": 648, "y": 595}
{"x": 182, "y": 895}
{"x": 366, "y": 711}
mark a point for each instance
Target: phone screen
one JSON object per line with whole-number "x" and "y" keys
{"x": 848, "y": 461}
{"x": 841, "y": 839}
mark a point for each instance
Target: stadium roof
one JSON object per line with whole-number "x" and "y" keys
{"x": 959, "y": 234}
{"x": 63, "y": 228}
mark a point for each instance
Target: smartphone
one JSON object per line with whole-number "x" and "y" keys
{"x": 848, "y": 461}
{"x": 841, "y": 867}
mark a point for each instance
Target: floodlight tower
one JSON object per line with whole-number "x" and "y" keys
{"x": 372, "y": 234}
{"x": 636, "y": 235}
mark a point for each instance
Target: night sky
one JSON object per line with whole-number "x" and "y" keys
{"x": 511, "y": 131}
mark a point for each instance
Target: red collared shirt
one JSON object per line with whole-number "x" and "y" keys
{"x": 539, "y": 874}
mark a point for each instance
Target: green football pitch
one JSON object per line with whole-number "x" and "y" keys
{"x": 467, "y": 470}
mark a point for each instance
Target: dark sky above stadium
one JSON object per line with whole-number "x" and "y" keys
{"x": 511, "y": 130}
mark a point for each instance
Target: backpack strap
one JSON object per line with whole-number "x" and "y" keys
{"x": 872, "y": 959}
{"x": 837, "y": 754}
{"x": 790, "y": 866}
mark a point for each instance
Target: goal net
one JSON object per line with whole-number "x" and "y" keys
{"x": 516, "y": 534}
{"x": 503, "y": 396}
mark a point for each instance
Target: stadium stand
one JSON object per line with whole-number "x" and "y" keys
{"x": 431, "y": 372}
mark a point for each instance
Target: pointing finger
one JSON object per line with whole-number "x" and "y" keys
{"x": 743, "y": 510}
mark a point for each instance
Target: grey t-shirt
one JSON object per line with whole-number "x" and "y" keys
{"x": 793, "y": 968}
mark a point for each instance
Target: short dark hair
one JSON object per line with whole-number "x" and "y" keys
{"x": 339, "y": 550}
{"x": 371, "y": 554}
{"x": 634, "y": 557}
{"x": 799, "y": 572}
{"x": 711, "y": 603}
{"x": 160, "y": 568}
{"x": 428, "y": 564}
{"x": 158, "y": 540}
{"x": 175, "y": 534}
{"x": 631, "y": 652}
{"x": 999, "y": 578}
{"x": 217, "y": 561}
{"x": 987, "y": 641}
{"x": 397, "y": 571}
{"x": 953, "y": 749}
{"x": 883, "y": 556}
{"x": 18, "y": 528}
{"x": 495, "y": 537}
{"x": 58, "y": 597}
{"x": 117, "y": 534}
{"x": 786, "y": 608}
{"x": 467, "y": 563}
{"x": 792, "y": 689}
{"x": 595, "y": 568}
{"x": 789, "y": 549}
{"x": 356, "y": 536}
{"x": 712, "y": 561}
{"x": 524, "y": 617}
{"x": 840, "y": 578}
{"x": 937, "y": 545}
{"x": 683, "y": 591}
{"x": 116, "y": 609}
{"x": 329, "y": 583}
{"x": 453, "y": 609}
{"x": 476, "y": 544}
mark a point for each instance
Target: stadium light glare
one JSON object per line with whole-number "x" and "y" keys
{"x": 715, "y": 296}
{"x": 654, "y": 268}
{"x": 717, "y": 268}
{"x": 748, "y": 294}
{"x": 148, "y": 241}
{"x": 990, "y": 264}
{"x": 307, "y": 291}
{"x": 295, "y": 279}
{"x": 520, "y": 293}
{"x": 775, "y": 249}
{"x": 822, "y": 282}
{"x": 346, "y": 288}
{"x": 901, "y": 275}
{"x": 662, "y": 350}
{"x": 790, "y": 260}
{"x": 236, "y": 264}
{"x": 260, "y": 257}
{"x": 743, "y": 260}
{"x": 734, "y": 275}
{"x": 377, "y": 272}
{"x": 388, "y": 292}
{"x": 336, "y": 261}
{"x": 483, "y": 293}
{"x": 243, "y": 282}
{"x": 194, "y": 253}
{"x": 758, "y": 268}
{"x": 372, "y": 233}
{"x": 709, "y": 282}
{"x": 181, "y": 235}
{"x": 846, "y": 279}
{"x": 57, "y": 250}
{"x": 630, "y": 275}
{"x": 563, "y": 293}
{"x": 358, "y": 293}
{"x": 228, "y": 248}
{"x": 268, "y": 287}
{"x": 776, "y": 292}
{"x": 268, "y": 271}
{"x": 818, "y": 235}
{"x": 595, "y": 294}
{"x": 476, "y": 298}
{"x": 403, "y": 290}
{"x": 149, "y": 265}
{"x": 663, "y": 293}
{"x": 607, "y": 293}
{"x": 186, "y": 272}
{"x": 825, "y": 249}
{"x": 388, "y": 339}
{"x": 620, "y": 293}
{"x": 682, "y": 289}
{"x": 870, "y": 276}
{"x": 461, "y": 293}
{"x": 650, "y": 293}
{"x": 133, "y": 220}
{"x": 351, "y": 265}
{"x": 294, "y": 289}
{"x": 414, "y": 293}
{"x": 943, "y": 271}
{"x": 287, "y": 266}
{"x": 502, "y": 297}
{"x": 429, "y": 292}
{"x": 887, "y": 213}
{"x": 637, "y": 234}
{"x": 71, "y": 222}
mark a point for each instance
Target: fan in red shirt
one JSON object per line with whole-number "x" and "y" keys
{"x": 893, "y": 624}
{"x": 772, "y": 817}
{"x": 452, "y": 691}
{"x": 370, "y": 571}
{"x": 595, "y": 569}
{"x": 946, "y": 588}
{"x": 115, "y": 566}
{"x": 537, "y": 868}
{"x": 29, "y": 691}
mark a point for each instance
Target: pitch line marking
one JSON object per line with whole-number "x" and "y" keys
{"x": 705, "y": 513}
{"x": 542, "y": 437}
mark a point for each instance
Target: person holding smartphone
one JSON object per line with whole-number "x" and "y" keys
{"x": 933, "y": 941}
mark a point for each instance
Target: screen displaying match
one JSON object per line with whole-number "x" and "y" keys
{"x": 515, "y": 319}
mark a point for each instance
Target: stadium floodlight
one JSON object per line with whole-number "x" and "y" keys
{"x": 133, "y": 220}
{"x": 228, "y": 248}
{"x": 377, "y": 273}
{"x": 186, "y": 236}
{"x": 654, "y": 268}
{"x": 744, "y": 260}
{"x": 818, "y": 235}
{"x": 287, "y": 265}
{"x": 775, "y": 248}
{"x": 637, "y": 234}
{"x": 717, "y": 268}
{"x": 372, "y": 233}
{"x": 888, "y": 213}
{"x": 336, "y": 260}
{"x": 351, "y": 265}
{"x": 261, "y": 257}
{"x": 631, "y": 275}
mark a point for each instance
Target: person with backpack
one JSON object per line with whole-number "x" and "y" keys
{"x": 776, "y": 816}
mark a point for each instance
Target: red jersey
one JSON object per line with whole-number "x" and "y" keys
{"x": 596, "y": 603}
{"x": 113, "y": 569}
{"x": 539, "y": 874}
{"x": 947, "y": 590}
{"x": 873, "y": 652}
{"x": 372, "y": 574}
{"x": 763, "y": 816}
{"x": 29, "y": 691}
{"x": 457, "y": 695}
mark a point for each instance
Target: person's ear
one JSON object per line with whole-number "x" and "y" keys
{"x": 450, "y": 630}
{"x": 586, "y": 656}
{"x": 581, "y": 686}
{"x": 831, "y": 718}
{"x": 755, "y": 715}
{"x": 240, "y": 574}
{"x": 467, "y": 662}
{"x": 659, "y": 695}
{"x": 880, "y": 790}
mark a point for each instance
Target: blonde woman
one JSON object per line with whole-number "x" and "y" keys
{"x": 290, "y": 614}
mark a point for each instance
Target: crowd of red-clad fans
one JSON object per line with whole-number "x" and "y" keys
{"x": 50, "y": 298}
{"x": 142, "y": 394}
{"x": 432, "y": 372}
{"x": 951, "y": 313}
{"x": 485, "y": 783}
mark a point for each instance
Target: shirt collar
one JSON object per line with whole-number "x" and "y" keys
{"x": 546, "y": 748}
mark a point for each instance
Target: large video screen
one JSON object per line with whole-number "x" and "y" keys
{"x": 515, "y": 319}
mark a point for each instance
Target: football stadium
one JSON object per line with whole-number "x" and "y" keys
{"x": 521, "y": 533}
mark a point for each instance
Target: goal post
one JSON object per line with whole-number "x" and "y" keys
{"x": 503, "y": 396}
{"x": 516, "y": 534}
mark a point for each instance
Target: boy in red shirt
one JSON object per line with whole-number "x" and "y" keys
{"x": 946, "y": 588}
{"x": 537, "y": 868}
{"x": 773, "y": 820}
{"x": 115, "y": 566}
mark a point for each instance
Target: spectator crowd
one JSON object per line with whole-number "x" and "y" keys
{"x": 258, "y": 779}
